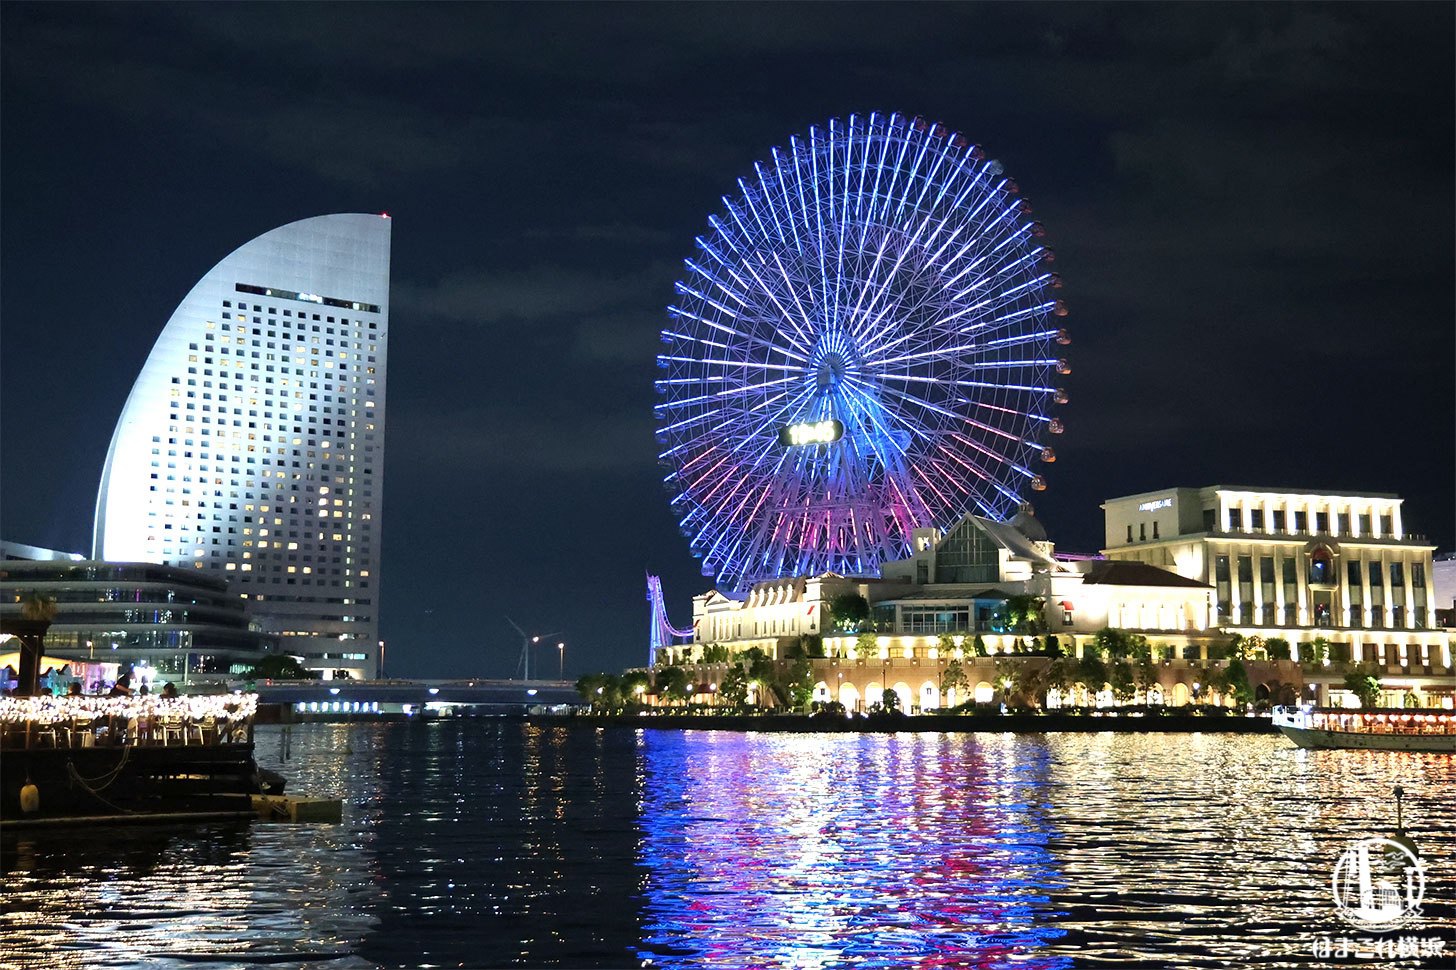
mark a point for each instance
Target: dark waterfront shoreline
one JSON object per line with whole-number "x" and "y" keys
{"x": 932, "y": 723}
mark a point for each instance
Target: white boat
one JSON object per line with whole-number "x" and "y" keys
{"x": 1390, "y": 730}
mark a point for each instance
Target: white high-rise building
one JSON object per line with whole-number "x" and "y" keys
{"x": 252, "y": 443}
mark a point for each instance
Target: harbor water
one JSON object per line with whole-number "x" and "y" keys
{"x": 493, "y": 843}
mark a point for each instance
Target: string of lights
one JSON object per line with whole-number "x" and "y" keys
{"x": 58, "y": 710}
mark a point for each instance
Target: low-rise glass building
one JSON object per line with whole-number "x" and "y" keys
{"x": 157, "y": 623}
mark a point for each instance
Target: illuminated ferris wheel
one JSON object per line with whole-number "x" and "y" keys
{"x": 864, "y": 344}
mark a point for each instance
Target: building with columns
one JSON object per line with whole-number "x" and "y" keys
{"x": 1201, "y": 566}
{"x": 1297, "y": 565}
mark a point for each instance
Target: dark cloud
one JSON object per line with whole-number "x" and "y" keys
{"x": 517, "y": 438}
{"x": 537, "y": 293}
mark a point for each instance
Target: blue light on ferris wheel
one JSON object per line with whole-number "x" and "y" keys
{"x": 879, "y": 277}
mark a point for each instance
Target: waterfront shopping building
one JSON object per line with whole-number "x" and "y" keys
{"x": 251, "y": 447}
{"x": 160, "y": 624}
{"x": 1201, "y": 566}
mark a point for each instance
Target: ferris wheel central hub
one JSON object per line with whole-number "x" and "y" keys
{"x": 832, "y": 369}
{"x": 833, "y": 359}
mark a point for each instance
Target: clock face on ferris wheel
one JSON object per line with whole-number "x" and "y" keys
{"x": 863, "y": 344}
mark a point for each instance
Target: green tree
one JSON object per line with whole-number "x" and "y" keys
{"x": 1237, "y": 647}
{"x": 1091, "y": 671}
{"x": 1144, "y": 675}
{"x": 1236, "y": 683}
{"x": 954, "y": 678}
{"x": 635, "y": 684}
{"x": 758, "y": 665}
{"x": 1024, "y": 614}
{"x": 1278, "y": 648}
{"x": 978, "y": 647}
{"x": 37, "y": 611}
{"x": 1313, "y": 654}
{"x": 793, "y": 684}
{"x": 1028, "y": 683}
{"x": 1061, "y": 674}
{"x": 586, "y": 686}
{"x": 1215, "y": 680}
{"x": 1109, "y": 644}
{"x": 280, "y": 666}
{"x": 867, "y": 645}
{"x": 1121, "y": 679}
{"x": 849, "y": 612}
{"x": 1363, "y": 682}
{"x": 890, "y": 701}
{"x": 35, "y": 605}
{"x": 734, "y": 689}
{"x": 672, "y": 684}
{"x": 715, "y": 653}
{"x": 612, "y": 694}
{"x": 946, "y": 644}
{"x": 812, "y": 644}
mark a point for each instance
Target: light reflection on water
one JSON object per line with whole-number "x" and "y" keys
{"x": 1024, "y": 850}
{"x": 487, "y": 843}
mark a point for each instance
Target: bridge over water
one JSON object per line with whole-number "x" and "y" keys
{"x": 477, "y": 696}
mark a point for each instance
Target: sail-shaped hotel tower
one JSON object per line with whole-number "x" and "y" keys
{"x": 252, "y": 443}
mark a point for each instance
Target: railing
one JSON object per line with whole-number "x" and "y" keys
{"x": 137, "y": 721}
{"x": 1356, "y": 721}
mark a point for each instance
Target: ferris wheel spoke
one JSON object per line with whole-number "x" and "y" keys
{"x": 993, "y": 256}
{"x": 873, "y": 360}
{"x": 748, "y": 199}
{"x": 783, "y": 311}
{"x": 920, "y": 154}
{"x": 990, "y": 452}
{"x": 825, "y": 300}
{"x": 793, "y": 293}
{"x": 992, "y": 480}
{"x": 1022, "y": 264}
{"x": 895, "y": 170}
{"x": 733, "y": 391}
{"x": 841, "y": 218}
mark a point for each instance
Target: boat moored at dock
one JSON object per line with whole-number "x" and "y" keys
{"x": 125, "y": 757}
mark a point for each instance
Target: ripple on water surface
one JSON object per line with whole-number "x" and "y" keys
{"x": 487, "y": 843}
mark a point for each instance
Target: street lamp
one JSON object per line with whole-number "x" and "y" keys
{"x": 561, "y": 661}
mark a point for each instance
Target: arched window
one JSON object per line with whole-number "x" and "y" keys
{"x": 1321, "y": 566}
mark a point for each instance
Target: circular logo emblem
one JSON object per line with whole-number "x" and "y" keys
{"x": 1378, "y": 884}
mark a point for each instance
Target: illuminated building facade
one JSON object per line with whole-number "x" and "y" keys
{"x": 952, "y": 600}
{"x": 252, "y": 444}
{"x": 1297, "y": 565}
{"x": 955, "y": 596}
{"x": 154, "y": 622}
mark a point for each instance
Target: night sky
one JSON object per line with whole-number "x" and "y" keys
{"x": 1251, "y": 205}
